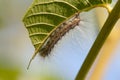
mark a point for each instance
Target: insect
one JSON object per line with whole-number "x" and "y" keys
{"x": 55, "y": 36}
{"x": 44, "y": 21}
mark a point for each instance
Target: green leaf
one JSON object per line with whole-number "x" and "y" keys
{"x": 44, "y": 16}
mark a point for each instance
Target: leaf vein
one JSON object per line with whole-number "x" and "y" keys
{"x": 56, "y": 1}
{"x": 38, "y": 43}
{"x": 47, "y": 13}
{"x": 33, "y": 34}
{"x": 35, "y": 24}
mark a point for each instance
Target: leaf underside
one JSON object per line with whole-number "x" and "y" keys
{"x": 44, "y": 16}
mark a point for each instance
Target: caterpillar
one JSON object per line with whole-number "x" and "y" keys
{"x": 57, "y": 35}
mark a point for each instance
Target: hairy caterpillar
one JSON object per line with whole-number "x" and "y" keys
{"x": 56, "y": 36}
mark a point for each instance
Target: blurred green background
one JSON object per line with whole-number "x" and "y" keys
{"x": 65, "y": 59}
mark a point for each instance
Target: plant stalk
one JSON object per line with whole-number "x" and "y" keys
{"x": 104, "y": 33}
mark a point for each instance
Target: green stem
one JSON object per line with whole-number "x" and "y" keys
{"x": 105, "y": 31}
